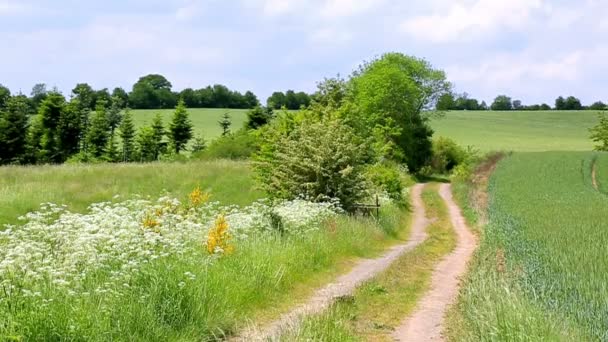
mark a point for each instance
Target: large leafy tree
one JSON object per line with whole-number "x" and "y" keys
{"x": 14, "y": 124}
{"x": 39, "y": 93}
{"x": 502, "y": 102}
{"x": 152, "y": 92}
{"x": 120, "y": 97}
{"x": 599, "y": 133}
{"x": 180, "y": 129}
{"x": 389, "y": 98}
{"x": 85, "y": 95}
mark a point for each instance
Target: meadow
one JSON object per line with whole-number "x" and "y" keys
{"x": 520, "y": 131}
{"x": 204, "y": 120}
{"x": 539, "y": 273}
{"x": 24, "y": 188}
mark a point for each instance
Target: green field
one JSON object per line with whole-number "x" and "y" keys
{"x": 519, "y": 131}
{"x": 24, "y": 188}
{"x": 523, "y": 131}
{"x": 541, "y": 273}
{"x": 205, "y": 120}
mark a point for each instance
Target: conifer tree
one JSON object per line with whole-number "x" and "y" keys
{"x": 127, "y": 136}
{"x": 180, "y": 130}
{"x": 99, "y": 131}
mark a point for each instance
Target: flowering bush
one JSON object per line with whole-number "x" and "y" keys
{"x": 60, "y": 254}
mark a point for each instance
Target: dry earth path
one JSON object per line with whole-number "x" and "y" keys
{"x": 427, "y": 321}
{"x": 346, "y": 284}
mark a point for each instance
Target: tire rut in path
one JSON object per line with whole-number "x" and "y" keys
{"x": 427, "y": 321}
{"x": 345, "y": 284}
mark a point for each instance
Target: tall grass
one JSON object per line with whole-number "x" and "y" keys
{"x": 23, "y": 189}
{"x": 539, "y": 273}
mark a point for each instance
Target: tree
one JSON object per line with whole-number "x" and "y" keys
{"x": 147, "y": 145}
{"x": 599, "y": 105}
{"x": 152, "y": 92}
{"x": 85, "y": 94}
{"x": 483, "y": 106}
{"x": 99, "y": 132}
{"x": 319, "y": 161}
{"x": 390, "y": 98}
{"x": 545, "y": 106}
{"x": 127, "y": 135}
{"x": 599, "y": 133}
{"x": 5, "y": 95}
{"x": 517, "y": 105}
{"x": 103, "y": 96}
{"x": 14, "y": 124}
{"x": 49, "y": 114}
{"x": 112, "y": 154}
{"x": 158, "y": 133}
{"x": 120, "y": 97}
{"x": 251, "y": 101}
{"x": 502, "y": 102}
{"x": 180, "y": 129}
{"x": 221, "y": 96}
{"x": 225, "y": 123}
{"x": 560, "y": 103}
{"x": 256, "y": 117}
{"x": 446, "y": 102}
{"x": 199, "y": 144}
{"x": 277, "y": 100}
{"x": 572, "y": 103}
{"x": 39, "y": 93}
{"x": 69, "y": 129}
{"x": 291, "y": 100}
{"x": 114, "y": 115}
{"x": 303, "y": 99}
{"x": 190, "y": 98}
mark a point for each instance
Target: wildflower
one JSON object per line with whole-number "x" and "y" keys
{"x": 198, "y": 197}
{"x": 150, "y": 222}
{"x": 218, "y": 237}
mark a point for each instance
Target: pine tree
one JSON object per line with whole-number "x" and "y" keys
{"x": 159, "y": 133}
{"x": 180, "y": 130}
{"x": 49, "y": 114}
{"x": 114, "y": 115}
{"x": 225, "y": 123}
{"x": 99, "y": 132}
{"x": 112, "y": 154}
{"x": 199, "y": 144}
{"x": 127, "y": 135}
{"x": 14, "y": 123}
{"x": 69, "y": 129}
{"x": 146, "y": 144}
{"x": 258, "y": 117}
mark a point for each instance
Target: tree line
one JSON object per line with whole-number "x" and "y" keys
{"x": 452, "y": 101}
{"x": 63, "y": 130}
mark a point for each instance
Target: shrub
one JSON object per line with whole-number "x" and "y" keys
{"x": 240, "y": 145}
{"x": 319, "y": 161}
{"x": 386, "y": 178}
{"x": 447, "y": 155}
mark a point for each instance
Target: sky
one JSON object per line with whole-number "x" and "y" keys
{"x": 532, "y": 50}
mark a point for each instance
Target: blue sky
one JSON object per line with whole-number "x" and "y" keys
{"x": 532, "y": 50}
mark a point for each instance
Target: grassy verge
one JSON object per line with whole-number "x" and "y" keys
{"x": 23, "y": 189}
{"x": 192, "y": 296}
{"x": 536, "y": 274}
{"x": 381, "y": 304}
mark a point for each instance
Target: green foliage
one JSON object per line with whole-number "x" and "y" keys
{"x": 289, "y": 100}
{"x": 148, "y": 147}
{"x": 257, "y": 117}
{"x": 599, "y": 105}
{"x": 46, "y": 137}
{"x": 502, "y": 102}
{"x": 120, "y": 98}
{"x": 14, "y": 123}
{"x": 225, "y": 124}
{"x": 99, "y": 132}
{"x": 70, "y": 129}
{"x": 5, "y": 95}
{"x": 85, "y": 95}
{"x": 388, "y": 98}
{"x": 570, "y": 103}
{"x": 386, "y": 178}
{"x": 447, "y": 155}
{"x": 127, "y": 136}
{"x": 152, "y": 92}
{"x": 240, "y": 145}
{"x": 180, "y": 129}
{"x": 599, "y": 133}
{"x": 199, "y": 145}
{"x": 319, "y": 161}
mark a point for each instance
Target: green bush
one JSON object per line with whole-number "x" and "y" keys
{"x": 240, "y": 145}
{"x": 317, "y": 160}
{"x": 386, "y": 178}
{"x": 447, "y": 155}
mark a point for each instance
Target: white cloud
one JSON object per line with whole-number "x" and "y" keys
{"x": 462, "y": 21}
{"x": 347, "y": 8}
{"x": 331, "y": 36}
{"x": 9, "y": 7}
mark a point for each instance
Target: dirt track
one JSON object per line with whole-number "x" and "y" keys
{"x": 346, "y": 284}
{"x": 426, "y": 323}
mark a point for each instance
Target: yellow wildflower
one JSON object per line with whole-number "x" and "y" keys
{"x": 198, "y": 197}
{"x": 219, "y": 236}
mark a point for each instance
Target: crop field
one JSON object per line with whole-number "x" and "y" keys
{"x": 541, "y": 272}
{"x": 526, "y": 131}
{"x": 205, "y": 120}
{"x": 24, "y": 188}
